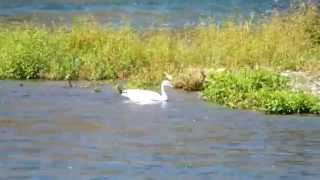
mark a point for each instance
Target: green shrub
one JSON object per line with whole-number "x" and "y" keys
{"x": 258, "y": 90}
{"x": 287, "y": 102}
{"x": 24, "y": 54}
{"x": 233, "y": 88}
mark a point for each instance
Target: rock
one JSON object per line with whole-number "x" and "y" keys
{"x": 303, "y": 81}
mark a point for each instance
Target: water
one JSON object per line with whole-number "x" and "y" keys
{"x": 137, "y": 12}
{"x": 51, "y": 132}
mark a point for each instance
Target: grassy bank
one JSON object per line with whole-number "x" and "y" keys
{"x": 90, "y": 51}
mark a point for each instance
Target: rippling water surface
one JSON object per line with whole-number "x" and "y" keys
{"x": 51, "y": 132}
{"x": 137, "y": 12}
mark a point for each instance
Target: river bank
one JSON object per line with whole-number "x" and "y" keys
{"x": 286, "y": 41}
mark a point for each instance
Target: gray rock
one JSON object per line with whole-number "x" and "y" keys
{"x": 303, "y": 81}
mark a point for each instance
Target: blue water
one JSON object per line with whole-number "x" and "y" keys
{"x": 49, "y": 132}
{"x": 137, "y": 12}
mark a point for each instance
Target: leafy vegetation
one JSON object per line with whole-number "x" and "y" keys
{"x": 259, "y": 90}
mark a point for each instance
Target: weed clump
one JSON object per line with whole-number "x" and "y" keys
{"x": 190, "y": 79}
{"x": 259, "y": 90}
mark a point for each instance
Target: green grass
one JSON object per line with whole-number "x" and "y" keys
{"x": 258, "y": 90}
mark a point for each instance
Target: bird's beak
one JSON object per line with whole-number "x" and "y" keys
{"x": 168, "y": 76}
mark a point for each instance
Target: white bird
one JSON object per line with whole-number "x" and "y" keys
{"x": 144, "y": 97}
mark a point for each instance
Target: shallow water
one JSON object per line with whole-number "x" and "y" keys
{"x": 144, "y": 13}
{"x": 51, "y": 132}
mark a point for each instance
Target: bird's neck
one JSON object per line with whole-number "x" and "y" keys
{"x": 163, "y": 93}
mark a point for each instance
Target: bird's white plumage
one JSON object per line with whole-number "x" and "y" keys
{"x": 143, "y": 97}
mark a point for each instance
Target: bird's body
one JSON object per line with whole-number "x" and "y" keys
{"x": 144, "y": 97}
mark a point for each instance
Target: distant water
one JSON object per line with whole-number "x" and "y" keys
{"x": 137, "y": 12}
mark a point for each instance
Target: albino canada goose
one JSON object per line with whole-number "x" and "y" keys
{"x": 144, "y": 97}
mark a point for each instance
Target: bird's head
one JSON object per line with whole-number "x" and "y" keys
{"x": 167, "y": 83}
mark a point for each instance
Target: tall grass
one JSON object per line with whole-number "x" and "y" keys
{"x": 94, "y": 52}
